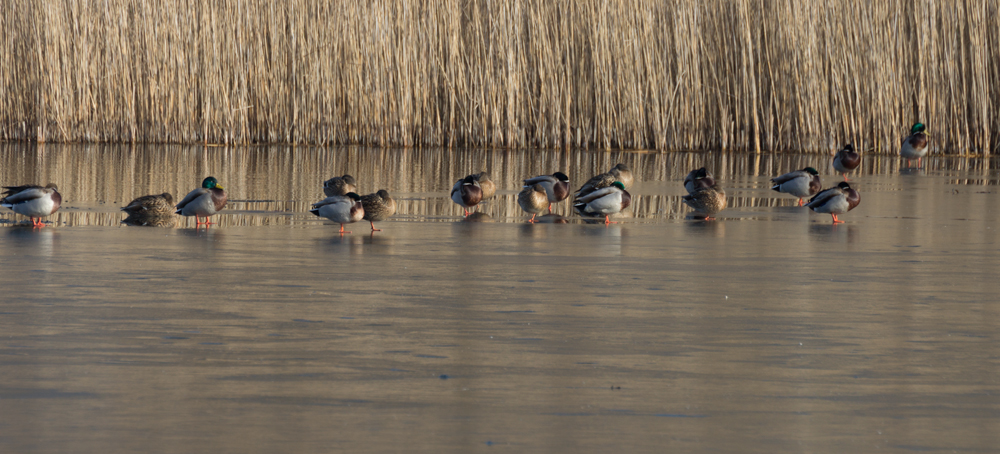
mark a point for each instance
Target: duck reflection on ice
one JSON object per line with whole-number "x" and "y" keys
{"x": 834, "y": 233}
{"x": 478, "y": 217}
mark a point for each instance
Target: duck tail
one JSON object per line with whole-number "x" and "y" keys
{"x": 315, "y": 211}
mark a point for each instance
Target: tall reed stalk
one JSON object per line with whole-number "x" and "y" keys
{"x": 661, "y": 74}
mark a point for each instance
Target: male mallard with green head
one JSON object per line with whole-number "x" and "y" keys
{"x": 800, "y": 183}
{"x": 339, "y": 185}
{"x": 467, "y": 193}
{"x": 342, "y": 209}
{"x": 556, "y": 187}
{"x": 698, "y": 179}
{"x": 846, "y": 160}
{"x": 533, "y": 200}
{"x": 205, "y": 201}
{"x": 32, "y": 201}
{"x": 915, "y": 145}
{"x": 378, "y": 207}
{"x": 836, "y": 200}
{"x": 707, "y": 201}
{"x": 154, "y": 210}
{"x": 604, "y": 202}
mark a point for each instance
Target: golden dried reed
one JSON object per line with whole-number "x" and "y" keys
{"x": 660, "y": 74}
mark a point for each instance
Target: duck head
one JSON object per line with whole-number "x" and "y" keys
{"x": 561, "y": 177}
{"x": 211, "y": 183}
{"x": 811, "y": 171}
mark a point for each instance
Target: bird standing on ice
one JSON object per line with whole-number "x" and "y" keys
{"x": 800, "y": 183}
{"x": 915, "y": 145}
{"x": 467, "y": 193}
{"x": 342, "y": 209}
{"x": 35, "y": 202}
{"x": 846, "y": 160}
{"x": 205, "y": 201}
{"x": 604, "y": 202}
{"x": 836, "y": 200}
{"x": 556, "y": 186}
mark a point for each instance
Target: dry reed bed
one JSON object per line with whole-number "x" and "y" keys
{"x": 674, "y": 74}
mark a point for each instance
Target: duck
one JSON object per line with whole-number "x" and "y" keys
{"x": 154, "y": 210}
{"x": 205, "y": 201}
{"x": 707, "y": 201}
{"x": 33, "y": 201}
{"x": 605, "y": 201}
{"x": 556, "y": 187}
{"x": 378, "y": 207}
{"x": 623, "y": 174}
{"x": 800, "y": 183}
{"x": 846, "y": 160}
{"x": 486, "y": 184}
{"x": 533, "y": 199}
{"x": 342, "y": 209}
{"x": 698, "y": 179}
{"x": 836, "y": 200}
{"x": 915, "y": 145}
{"x": 620, "y": 173}
{"x": 339, "y": 185}
{"x": 467, "y": 193}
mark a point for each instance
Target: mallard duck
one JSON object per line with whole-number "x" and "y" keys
{"x": 707, "y": 201}
{"x": 32, "y": 201}
{"x": 697, "y": 179}
{"x": 467, "y": 193}
{"x": 378, "y": 207}
{"x": 486, "y": 184}
{"x": 800, "y": 183}
{"x": 915, "y": 145}
{"x": 556, "y": 187}
{"x": 620, "y": 173}
{"x": 155, "y": 210}
{"x": 205, "y": 201}
{"x": 605, "y": 201}
{"x": 836, "y": 200}
{"x": 846, "y": 160}
{"x": 342, "y": 209}
{"x": 339, "y": 185}
{"x": 623, "y": 173}
{"x": 533, "y": 200}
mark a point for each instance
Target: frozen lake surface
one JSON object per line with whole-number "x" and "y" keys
{"x": 768, "y": 330}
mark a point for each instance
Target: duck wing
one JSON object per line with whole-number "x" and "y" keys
{"x": 21, "y": 194}
{"x": 191, "y": 197}
{"x": 542, "y": 179}
{"x": 587, "y": 198}
{"x": 781, "y": 179}
{"x": 597, "y": 182}
{"x": 334, "y": 199}
{"x": 823, "y": 197}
